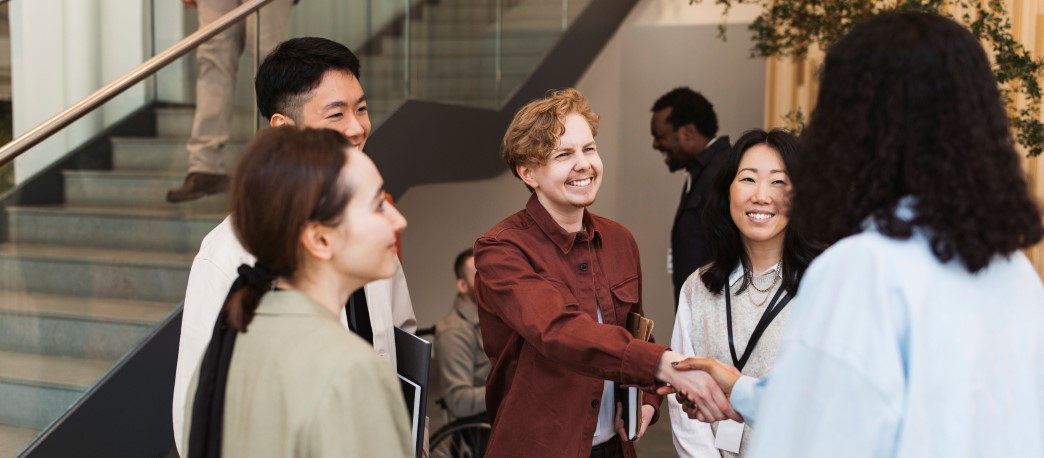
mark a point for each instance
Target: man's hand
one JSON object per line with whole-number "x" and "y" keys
{"x": 699, "y": 387}
{"x": 647, "y": 413}
{"x": 190, "y": 3}
{"x": 724, "y": 376}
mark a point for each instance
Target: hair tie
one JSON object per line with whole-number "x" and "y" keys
{"x": 257, "y": 277}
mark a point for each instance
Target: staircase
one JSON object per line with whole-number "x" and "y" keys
{"x": 84, "y": 281}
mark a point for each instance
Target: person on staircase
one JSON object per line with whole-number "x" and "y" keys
{"x": 218, "y": 60}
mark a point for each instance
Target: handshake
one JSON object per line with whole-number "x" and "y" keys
{"x": 702, "y": 386}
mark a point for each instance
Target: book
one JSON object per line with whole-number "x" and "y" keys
{"x": 412, "y": 392}
{"x": 413, "y": 361}
{"x": 640, "y": 328}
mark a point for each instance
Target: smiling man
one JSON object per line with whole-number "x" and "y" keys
{"x": 684, "y": 129}
{"x": 555, "y": 284}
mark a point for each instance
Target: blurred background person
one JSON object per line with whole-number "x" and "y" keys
{"x": 462, "y": 363}
{"x": 685, "y": 131}
{"x": 281, "y": 375}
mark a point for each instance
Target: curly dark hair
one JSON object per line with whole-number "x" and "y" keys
{"x": 908, "y": 106}
{"x": 723, "y": 236}
{"x": 689, "y": 107}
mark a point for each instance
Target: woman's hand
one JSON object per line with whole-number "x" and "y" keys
{"x": 696, "y": 385}
{"x": 724, "y": 376}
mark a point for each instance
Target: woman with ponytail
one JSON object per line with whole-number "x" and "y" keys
{"x": 282, "y": 376}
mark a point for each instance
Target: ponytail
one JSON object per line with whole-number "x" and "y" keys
{"x": 208, "y": 406}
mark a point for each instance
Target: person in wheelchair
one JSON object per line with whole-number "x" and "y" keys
{"x": 462, "y": 362}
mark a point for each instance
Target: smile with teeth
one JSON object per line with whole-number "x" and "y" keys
{"x": 760, "y": 215}
{"x": 581, "y": 183}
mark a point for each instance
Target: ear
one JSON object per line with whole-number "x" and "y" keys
{"x": 525, "y": 172}
{"x": 314, "y": 241}
{"x": 279, "y": 119}
{"x": 687, "y": 133}
{"x": 462, "y": 286}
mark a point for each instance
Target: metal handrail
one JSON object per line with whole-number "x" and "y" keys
{"x": 43, "y": 131}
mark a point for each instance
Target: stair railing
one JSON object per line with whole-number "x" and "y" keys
{"x": 51, "y": 126}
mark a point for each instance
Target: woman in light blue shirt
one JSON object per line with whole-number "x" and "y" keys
{"x": 920, "y": 331}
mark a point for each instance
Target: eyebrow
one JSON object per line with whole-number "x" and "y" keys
{"x": 342, "y": 103}
{"x": 751, "y": 169}
{"x": 380, "y": 193}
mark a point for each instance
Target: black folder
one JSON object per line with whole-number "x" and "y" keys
{"x": 413, "y": 360}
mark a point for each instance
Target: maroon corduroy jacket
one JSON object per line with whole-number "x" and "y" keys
{"x": 538, "y": 288}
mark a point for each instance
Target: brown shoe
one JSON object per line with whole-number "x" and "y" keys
{"x": 198, "y": 184}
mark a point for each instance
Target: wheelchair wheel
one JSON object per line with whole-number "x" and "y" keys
{"x": 463, "y": 440}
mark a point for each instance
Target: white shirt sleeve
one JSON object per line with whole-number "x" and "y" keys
{"x": 390, "y": 307}
{"x": 692, "y": 438}
{"x": 208, "y": 285}
{"x": 401, "y": 305}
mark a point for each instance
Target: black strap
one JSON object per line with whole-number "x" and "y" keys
{"x": 208, "y": 405}
{"x": 773, "y": 309}
{"x": 359, "y": 315}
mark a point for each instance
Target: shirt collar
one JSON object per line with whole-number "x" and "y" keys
{"x": 564, "y": 240}
{"x": 905, "y": 209}
{"x": 296, "y": 303}
{"x": 737, "y": 273}
{"x": 466, "y": 309}
{"x": 712, "y": 150}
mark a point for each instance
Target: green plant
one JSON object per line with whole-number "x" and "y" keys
{"x": 788, "y": 28}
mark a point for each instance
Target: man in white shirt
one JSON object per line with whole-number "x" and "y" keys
{"x": 310, "y": 82}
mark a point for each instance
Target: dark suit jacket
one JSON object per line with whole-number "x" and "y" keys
{"x": 689, "y": 249}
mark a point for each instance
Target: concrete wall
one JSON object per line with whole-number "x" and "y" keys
{"x": 662, "y": 44}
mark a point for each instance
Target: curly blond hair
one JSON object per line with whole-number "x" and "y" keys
{"x": 537, "y": 127}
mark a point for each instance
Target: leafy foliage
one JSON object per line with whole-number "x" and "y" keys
{"x": 788, "y": 28}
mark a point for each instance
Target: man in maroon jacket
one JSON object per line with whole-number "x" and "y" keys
{"x": 555, "y": 284}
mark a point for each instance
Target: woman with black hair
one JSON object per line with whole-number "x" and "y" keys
{"x": 920, "y": 331}
{"x": 734, "y": 308}
{"x": 282, "y": 375}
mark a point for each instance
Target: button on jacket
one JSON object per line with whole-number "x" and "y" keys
{"x": 539, "y": 289}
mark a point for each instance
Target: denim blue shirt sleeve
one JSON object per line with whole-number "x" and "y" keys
{"x": 890, "y": 352}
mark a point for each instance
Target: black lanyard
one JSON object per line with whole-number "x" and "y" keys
{"x": 770, "y": 313}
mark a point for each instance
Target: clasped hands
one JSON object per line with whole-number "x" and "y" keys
{"x": 702, "y": 386}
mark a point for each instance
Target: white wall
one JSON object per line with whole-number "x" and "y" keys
{"x": 661, "y": 45}
{"x": 61, "y": 51}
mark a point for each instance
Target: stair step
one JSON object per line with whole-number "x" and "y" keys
{"x": 487, "y": 13}
{"x": 92, "y": 327}
{"x": 449, "y": 87}
{"x": 13, "y": 439}
{"x": 173, "y": 229}
{"x": 36, "y": 389}
{"x": 162, "y": 153}
{"x": 78, "y": 271}
{"x": 133, "y": 189}
{"x": 391, "y": 67}
{"x": 512, "y": 42}
{"x": 177, "y": 122}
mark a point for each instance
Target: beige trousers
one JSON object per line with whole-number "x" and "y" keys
{"x": 218, "y": 60}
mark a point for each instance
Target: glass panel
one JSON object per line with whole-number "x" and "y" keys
{"x": 529, "y": 29}
{"x": 474, "y": 52}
